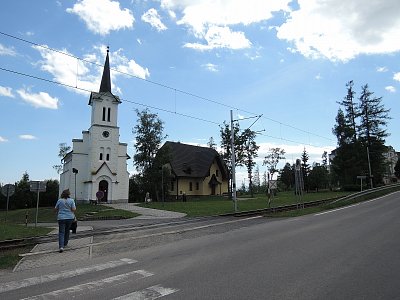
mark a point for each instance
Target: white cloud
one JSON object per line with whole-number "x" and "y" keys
{"x": 211, "y": 67}
{"x": 64, "y": 68}
{"x": 6, "y": 91}
{"x": 153, "y": 18}
{"x": 396, "y": 76}
{"x": 390, "y": 89}
{"x": 103, "y": 16}
{"x": 126, "y": 65}
{"x": 381, "y": 69}
{"x": 3, "y": 140}
{"x": 318, "y": 77}
{"x": 7, "y": 51}
{"x": 339, "y": 31}
{"x": 40, "y": 100}
{"x": 221, "y": 37}
{"x": 27, "y": 137}
{"x": 206, "y": 17}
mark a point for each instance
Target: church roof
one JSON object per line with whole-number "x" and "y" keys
{"x": 105, "y": 85}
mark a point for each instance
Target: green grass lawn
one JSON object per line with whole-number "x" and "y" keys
{"x": 47, "y": 214}
{"x": 221, "y": 205}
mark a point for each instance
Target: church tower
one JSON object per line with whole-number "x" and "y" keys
{"x": 96, "y": 168}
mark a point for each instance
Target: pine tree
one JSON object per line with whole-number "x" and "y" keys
{"x": 351, "y": 110}
{"x": 372, "y": 132}
{"x": 305, "y": 168}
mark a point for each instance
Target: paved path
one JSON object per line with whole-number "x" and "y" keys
{"x": 47, "y": 254}
{"x": 147, "y": 213}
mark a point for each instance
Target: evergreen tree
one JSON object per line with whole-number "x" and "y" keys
{"x": 305, "y": 168}
{"x": 372, "y": 132}
{"x": 318, "y": 177}
{"x": 286, "y": 176}
{"x": 256, "y": 180}
{"x": 351, "y": 110}
{"x": 211, "y": 144}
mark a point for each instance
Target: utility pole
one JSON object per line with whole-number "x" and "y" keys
{"x": 369, "y": 166}
{"x": 233, "y": 157}
{"x": 233, "y": 165}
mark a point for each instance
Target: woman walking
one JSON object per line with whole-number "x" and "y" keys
{"x": 65, "y": 208}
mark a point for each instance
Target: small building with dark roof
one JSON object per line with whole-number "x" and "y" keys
{"x": 195, "y": 170}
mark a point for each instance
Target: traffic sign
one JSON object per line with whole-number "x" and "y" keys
{"x": 37, "y": 186}
{"x": 8, "y": 190}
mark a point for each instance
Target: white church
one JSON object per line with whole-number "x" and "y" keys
{"x": 96, "y": 168}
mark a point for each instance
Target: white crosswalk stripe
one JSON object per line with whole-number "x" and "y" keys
{"x": 150, "y": 293}
{"x": 87, "y": 287}
{"x": 13, "y": 285}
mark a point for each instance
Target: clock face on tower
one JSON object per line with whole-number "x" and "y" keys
{"x": 106, "y": 134}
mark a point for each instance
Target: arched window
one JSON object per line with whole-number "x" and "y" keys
{"x": 104, "y": 114}
{"x": 101, "y": 153}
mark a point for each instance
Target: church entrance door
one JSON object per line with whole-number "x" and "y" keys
{"x": 103, "y": 186}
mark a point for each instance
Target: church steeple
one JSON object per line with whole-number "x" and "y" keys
{"x": 105, "y": 85}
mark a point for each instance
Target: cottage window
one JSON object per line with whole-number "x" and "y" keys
{"x": 217, "y": 173}
{"x": 190, "y": 186}
{"x": 197, "y": 186}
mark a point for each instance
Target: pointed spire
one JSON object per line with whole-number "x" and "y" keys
{"x": 105, "y": 85}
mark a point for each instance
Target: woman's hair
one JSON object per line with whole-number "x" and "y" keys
{"x": 65, "y": 194}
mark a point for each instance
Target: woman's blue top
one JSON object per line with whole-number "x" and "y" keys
{"x": 65, "y": 207}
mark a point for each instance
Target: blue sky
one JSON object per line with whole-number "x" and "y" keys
{"x": 191, "y": 61}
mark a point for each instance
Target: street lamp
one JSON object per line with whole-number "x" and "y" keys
{"x": 75, "y": 171}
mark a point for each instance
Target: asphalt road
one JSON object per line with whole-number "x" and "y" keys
{"x": 349, "y": 253}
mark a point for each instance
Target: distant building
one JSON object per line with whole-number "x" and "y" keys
{"x": 98, "y": 161}
{"x": 391, "y": 158}
{"x": 195, "y": 171}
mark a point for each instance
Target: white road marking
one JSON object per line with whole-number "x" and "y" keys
{"x": 333, "y": 210}
{"x": 90, "y": 285}
{"x": 13, "y": 285}
{"x": 150, "y": 293}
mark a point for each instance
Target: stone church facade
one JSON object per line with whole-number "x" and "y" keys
{"x": 96, "y": 168}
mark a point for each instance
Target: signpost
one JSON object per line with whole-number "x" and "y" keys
{"x": 8, "y": 190}
{"x": 37, "y": 186}
{"x": 361, "y": 177}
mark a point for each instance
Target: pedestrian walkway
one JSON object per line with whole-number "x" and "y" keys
{"x": 147, "y": 213}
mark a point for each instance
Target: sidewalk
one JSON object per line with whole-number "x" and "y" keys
{"x": 147, "y": 213}
{"x": 80, "y": 248}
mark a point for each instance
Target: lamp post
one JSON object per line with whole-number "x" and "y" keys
{"x": 75, "y": 171}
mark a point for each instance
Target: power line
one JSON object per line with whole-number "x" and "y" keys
{"x": 140, "y": 104}
{"x": 164, "y": 86}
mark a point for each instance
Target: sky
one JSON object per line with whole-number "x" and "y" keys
{"x": 191, "y": 62}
